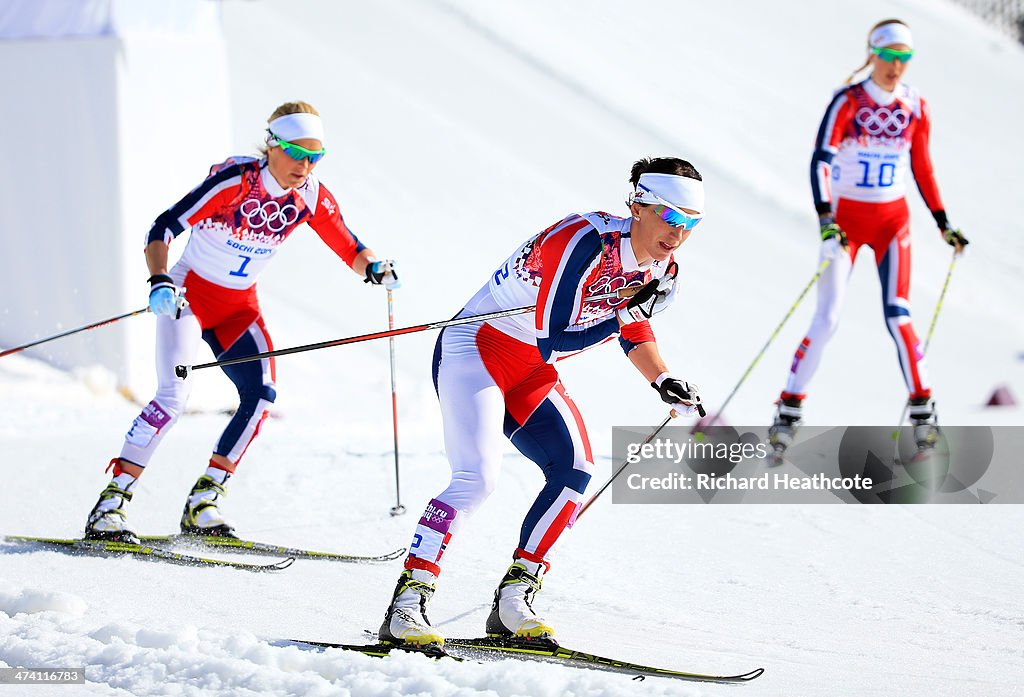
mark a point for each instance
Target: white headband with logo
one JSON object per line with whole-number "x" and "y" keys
{"x": 674, "y": 191}
{"x": 889, "y": 34}
{"x": 292, "y": 127}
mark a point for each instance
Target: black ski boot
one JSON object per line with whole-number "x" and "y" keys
{"x": 788, "y": 418}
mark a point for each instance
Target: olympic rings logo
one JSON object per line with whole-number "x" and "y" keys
{"x": 882, "y": 120}
{"x": 268, "y": 214}
{"x": 607, "y": 284}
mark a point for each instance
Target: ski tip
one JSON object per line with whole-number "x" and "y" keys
{"x": 283, "y": 564}
{"x": 390, "y": 556}
{"x": 747, "y": 677}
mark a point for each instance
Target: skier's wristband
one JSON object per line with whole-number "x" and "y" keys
{"x": 160, "y": 280}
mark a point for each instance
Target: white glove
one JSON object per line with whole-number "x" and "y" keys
{"x": 666, "y": 293}
{"x": 653, "y": 297}
{"x": 683, "y": 396}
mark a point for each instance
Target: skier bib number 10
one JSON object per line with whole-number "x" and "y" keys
{"x": 885, "y": 177}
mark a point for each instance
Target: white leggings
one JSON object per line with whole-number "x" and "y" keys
{"x": 492, "y": 386}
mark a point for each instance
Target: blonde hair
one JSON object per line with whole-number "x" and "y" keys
{"x": 296, "y": 108}
{"x": 285, "y": 109}
{"x": 867, "y": 61}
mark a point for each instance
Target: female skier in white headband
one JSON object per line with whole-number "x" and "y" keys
{"x": 874, "y": 133}
{"x": 499, "y": 377}
{"x": 238, "y": 215}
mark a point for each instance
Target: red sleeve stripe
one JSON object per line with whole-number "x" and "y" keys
{"x": 560, "y": 245}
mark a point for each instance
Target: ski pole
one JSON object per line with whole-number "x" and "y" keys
{"x": 792, "y": 308}
{"x": 398, "y": 508}
{"x": 671, "y": 415}
{"x": 182, "y": 370}
{"x": 928, "y": 339}
{"x": 94, "y": 325}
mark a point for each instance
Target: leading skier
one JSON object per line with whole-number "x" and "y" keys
{"x": 498, "y": 377}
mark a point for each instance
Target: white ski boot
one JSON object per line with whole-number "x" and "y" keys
{"x": 788, "y": 419}
{"x": 406, "y": 620}
{"x": 107, "y": 520}
{"x": 512, "y": 613}
{"x": 202, "y": 515}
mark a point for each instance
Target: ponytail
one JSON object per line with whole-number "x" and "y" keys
{"x": 858, "y": 71}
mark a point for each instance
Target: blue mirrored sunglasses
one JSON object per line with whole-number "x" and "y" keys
{"x": 297, "y": 152}
{"x": 676, "y": 218}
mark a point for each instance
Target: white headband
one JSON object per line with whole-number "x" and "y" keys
{"x": 889, "y": 34}
{"x": 292, "y": 127}
{"x": 675, "y": 191}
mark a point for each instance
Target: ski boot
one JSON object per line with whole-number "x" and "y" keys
{"x": 512, "y": 614}
{"x": 788, "y": 418}
{"x": 107, "y": 520}
{"x": 925, "y": 421}
{"x": 406, "y": 620}
{"x": 202, "y": 515}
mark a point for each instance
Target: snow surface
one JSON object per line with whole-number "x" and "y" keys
{"x": 456, "y": 129}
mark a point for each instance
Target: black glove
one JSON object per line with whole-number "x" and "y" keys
{"x": 684, "y": 396}
{"x": 654, "y": 297}
{"x": 641, "y": 306}
{"x": 953, "y": 237}
{"x": 382, "y": 273}
{"x": 829, "y": 229}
